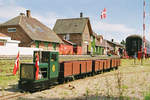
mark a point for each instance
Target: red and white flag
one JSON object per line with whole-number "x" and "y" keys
{"x": 37, "y": 66}
{"x": 103, "y": 14}
{"x": 16, "y": 67}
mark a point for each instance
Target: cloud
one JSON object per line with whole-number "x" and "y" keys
{"x": 48, "y": 19}
{"x": 10, "y": 11}
{"x": 106, "y": 27}
{"x": 1, "y": 3}
{"x": 109, "y": 31}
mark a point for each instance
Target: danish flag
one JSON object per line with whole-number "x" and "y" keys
{"x": 37, "y": 66}
{"x": 16, "y": 67}
{"x": 103, "y": 14}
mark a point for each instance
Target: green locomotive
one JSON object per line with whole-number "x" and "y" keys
{"x": 48, "y": 71}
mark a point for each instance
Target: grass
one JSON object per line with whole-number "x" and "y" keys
{"x": 147, "y": 96}
{"x": 6, "y": 69}
{"x": 130, "y": 62}
{"x": 127, "y": 65}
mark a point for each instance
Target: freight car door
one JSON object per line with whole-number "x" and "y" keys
{"x": 54, "y": 65}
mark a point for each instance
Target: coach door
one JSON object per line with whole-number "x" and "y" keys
{"x": 54, "y": 66}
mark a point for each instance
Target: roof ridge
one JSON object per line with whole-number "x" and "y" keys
{"x": 10, "y": 21}
{"x": 73, "y": 18}
{"x": 20, "y": 20}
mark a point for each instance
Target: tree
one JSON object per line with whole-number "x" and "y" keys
{"x": 123, "y": 42}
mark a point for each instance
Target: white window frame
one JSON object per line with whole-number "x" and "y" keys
{"x": 11, "y": 29}
{"x": 67, "y": 36}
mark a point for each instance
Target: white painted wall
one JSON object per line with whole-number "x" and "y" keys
{"x": 6, "y": 50}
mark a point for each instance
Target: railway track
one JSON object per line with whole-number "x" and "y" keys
{"x": 11, "y": 96}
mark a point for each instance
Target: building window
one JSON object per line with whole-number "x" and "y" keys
{"x": 66, "y": 37}
{"x": 11, "y": 29}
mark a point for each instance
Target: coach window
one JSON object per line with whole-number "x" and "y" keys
{"x": 53, "y": 57}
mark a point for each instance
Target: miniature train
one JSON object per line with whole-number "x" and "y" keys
{"x": 54, "y": 71}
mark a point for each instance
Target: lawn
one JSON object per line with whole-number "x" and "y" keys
{"x": 6, "y": 75}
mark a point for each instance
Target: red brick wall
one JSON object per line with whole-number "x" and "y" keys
{"x": 42, "y": 45}
{"x": 2, "y": 43}
{"x": 33, "y": 45}
{"x": 85, "y": 40}
{"x": 18, "y": 35}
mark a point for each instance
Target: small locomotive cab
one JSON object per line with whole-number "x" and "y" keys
{"x": 48, "y": 71}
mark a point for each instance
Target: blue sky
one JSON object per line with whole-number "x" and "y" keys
{"x": 124, "y": 17}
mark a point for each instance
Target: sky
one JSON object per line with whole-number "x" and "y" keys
{"x": 124, "y": 17}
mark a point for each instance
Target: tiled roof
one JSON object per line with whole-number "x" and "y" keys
{"x": 13, "y": 21}
{"x": 115, "y": 43}
{"x": 34, "y": 29}
{"x": 72, "y": 25}
{"x": 68, "y": 42}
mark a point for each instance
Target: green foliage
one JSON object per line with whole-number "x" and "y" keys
{"x": 124, "y": 87}
{"x": 87, "y": 92}
{"x": 123, "y": 42}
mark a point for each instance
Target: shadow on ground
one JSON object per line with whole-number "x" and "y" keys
{"x": 81, "y": 98}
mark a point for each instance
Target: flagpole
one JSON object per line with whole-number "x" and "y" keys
{"x": 143, "y": 38}
{"x": 144, "y": 30}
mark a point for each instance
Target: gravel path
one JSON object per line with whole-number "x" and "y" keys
{"x": 132, "y": 83}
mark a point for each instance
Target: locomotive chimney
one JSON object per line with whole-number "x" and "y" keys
{"x": 81, "y": 14}
{"x": 28, "y": 12}
{"x": 112, "y": 40}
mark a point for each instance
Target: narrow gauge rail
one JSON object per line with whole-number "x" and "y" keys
{"x": 56, "y": 69}
{"x": 11, "y": 96}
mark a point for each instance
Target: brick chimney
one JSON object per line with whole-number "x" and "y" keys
{"x": 28, "y": 13}
{"x": 81, "y": 14}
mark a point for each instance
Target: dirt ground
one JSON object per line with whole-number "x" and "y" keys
{"x": 131, "y": 81}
